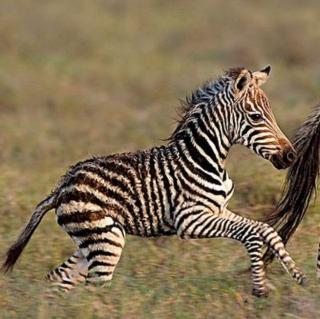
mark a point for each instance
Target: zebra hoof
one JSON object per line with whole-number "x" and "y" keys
{"x": 299, "y": 276}
{"x": 96, "y": 282}
{"x": 303, "y": 281}
{"x": 260, "y": 292}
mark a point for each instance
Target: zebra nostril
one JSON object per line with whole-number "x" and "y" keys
{"x": 290, "y": 156}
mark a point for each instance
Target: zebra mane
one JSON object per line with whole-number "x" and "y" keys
{"x": 203, "y": 95}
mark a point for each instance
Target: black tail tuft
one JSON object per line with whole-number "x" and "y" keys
{"x": 12, "y": 256}
{"x": 16, "y": 249}
{"x": 301, "y": 181}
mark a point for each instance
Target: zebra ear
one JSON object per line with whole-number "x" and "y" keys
{"x": 261, "y": 76}
{"x": 243, "y": 80}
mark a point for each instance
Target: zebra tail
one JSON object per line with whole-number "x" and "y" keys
{"x": 16, "y": 249}
{"x": 301, "y": 181}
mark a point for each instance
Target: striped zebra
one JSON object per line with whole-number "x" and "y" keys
{"x": 301, "y": 183}
{"x": 318, "y": 263}
{"x": 180, "y": 188}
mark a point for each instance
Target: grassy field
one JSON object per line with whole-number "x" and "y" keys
{"x": 79, "y": 78}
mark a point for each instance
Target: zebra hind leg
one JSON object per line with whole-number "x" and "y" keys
{"x": 103, "y": 251}
{"x": 71, "y": 272}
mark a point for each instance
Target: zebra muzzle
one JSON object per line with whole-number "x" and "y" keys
{"x": 284, "y": 158}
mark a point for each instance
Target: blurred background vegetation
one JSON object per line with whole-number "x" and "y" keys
{"x": 84, "y": 77}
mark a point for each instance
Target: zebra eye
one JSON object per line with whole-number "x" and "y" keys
{"x": 256, "y": 117}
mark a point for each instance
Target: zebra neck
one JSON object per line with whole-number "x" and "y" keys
{"x": 201, "y": 149}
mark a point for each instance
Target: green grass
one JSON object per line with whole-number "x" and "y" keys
{"x": 93, "y": 77}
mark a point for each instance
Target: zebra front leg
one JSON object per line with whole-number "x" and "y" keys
{"x": 206, "y": 225}
{"x": 254, "y": 249}
{"x": 197, "y": 224}
{"x": 71, "y": 272}
{"x": 274, "y": 242}
{"x": 271, "y": 238}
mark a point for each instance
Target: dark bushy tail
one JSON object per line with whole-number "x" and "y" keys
{"x": 16, "y": 249}
{"x": 301, "y": 181}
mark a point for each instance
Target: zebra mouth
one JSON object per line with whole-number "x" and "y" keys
{"x": 278, "y": 163}
{"x": 282, "y": 161}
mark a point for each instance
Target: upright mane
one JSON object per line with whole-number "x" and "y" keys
{"x": 202, "y": 96}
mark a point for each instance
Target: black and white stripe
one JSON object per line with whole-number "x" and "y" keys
{"x": 181, "y": 188}
{"x": 318, "y": 262}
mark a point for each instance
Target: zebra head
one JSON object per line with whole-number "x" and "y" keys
{"x": 253, "y": 122}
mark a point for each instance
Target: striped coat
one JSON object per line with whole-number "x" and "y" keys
{"x": 181, "y": 188}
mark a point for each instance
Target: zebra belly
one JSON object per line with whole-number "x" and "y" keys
{"x": 150, "y": 224}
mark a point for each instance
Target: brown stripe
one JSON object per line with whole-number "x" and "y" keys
{"x": 78, "y": 217}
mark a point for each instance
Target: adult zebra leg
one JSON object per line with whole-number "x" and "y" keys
{"x": 318, "y": 262}
{"x": 71, "y": 272}
{"x": 102, "y": 250}
{"x": 197, "y": 224}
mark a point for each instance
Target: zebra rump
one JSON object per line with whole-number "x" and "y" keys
{"x": 301, "y": 181}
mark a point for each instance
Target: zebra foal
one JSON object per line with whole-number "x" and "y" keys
{"x": 181, "y": 188}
